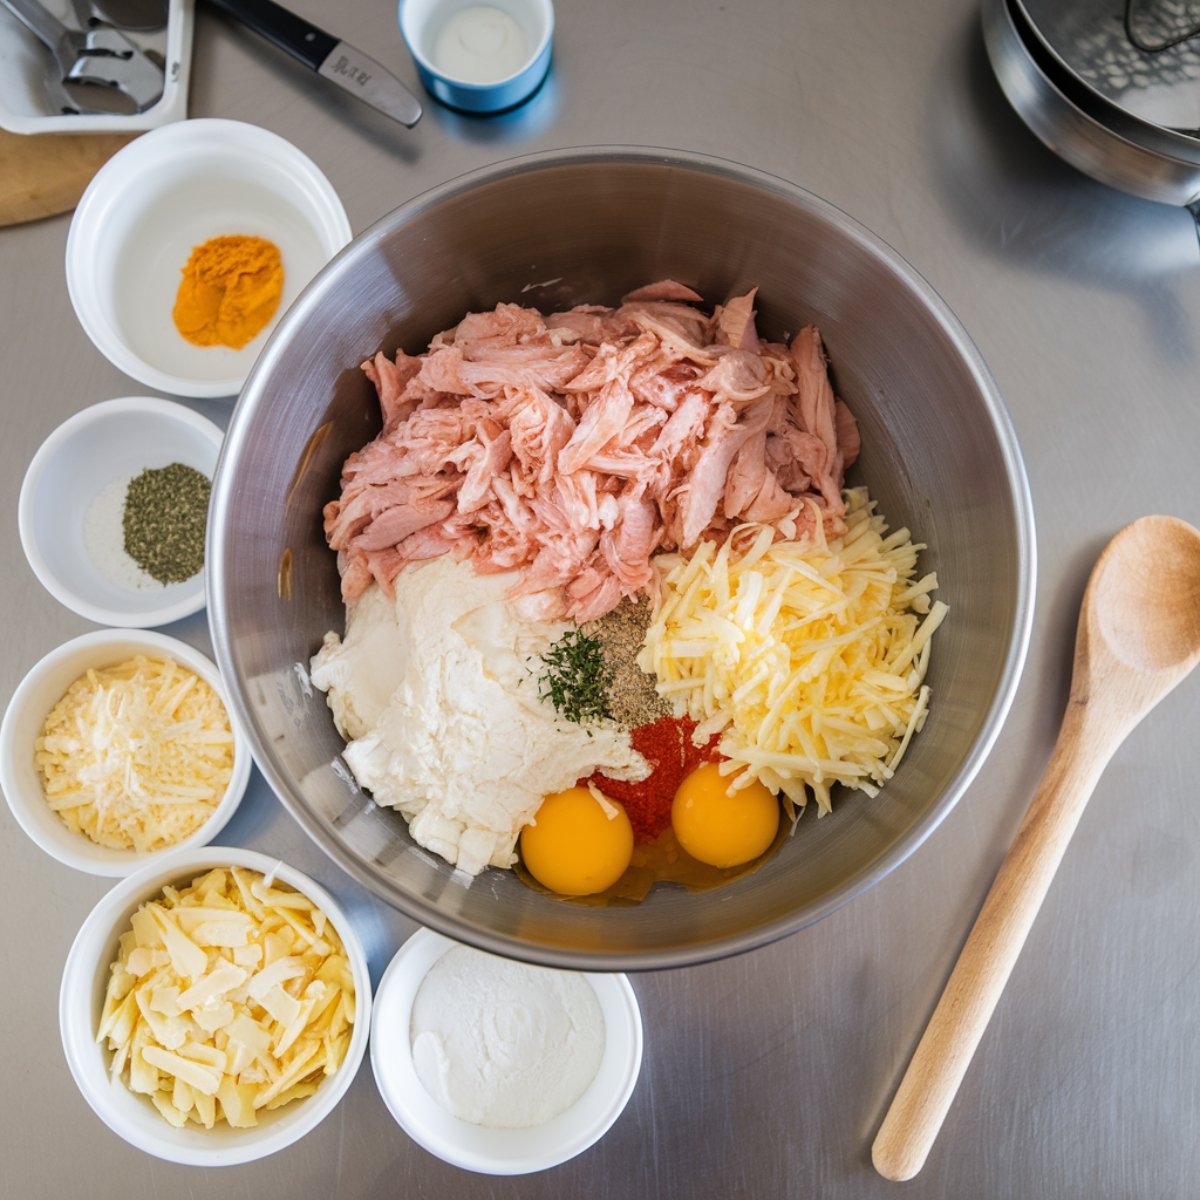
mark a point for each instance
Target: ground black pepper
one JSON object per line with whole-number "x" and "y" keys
{"x": 166, "y": 510}
{"x": 632, "y": 699}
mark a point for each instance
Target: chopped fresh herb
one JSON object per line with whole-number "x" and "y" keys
{"x": 576, "y": 678}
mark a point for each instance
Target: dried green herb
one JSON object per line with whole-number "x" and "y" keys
{"x": 166, "y": 510}
{"x": 576, "y": 678}
{"x": 621, "y": 633}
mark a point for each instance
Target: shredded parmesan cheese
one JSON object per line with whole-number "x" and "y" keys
{"x": 137, "y": 755}
{"x": 809, "y": 657}
{"x": 228, "y": 997}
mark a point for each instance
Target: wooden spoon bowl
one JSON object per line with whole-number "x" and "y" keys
{"x": 1147, "y": 595}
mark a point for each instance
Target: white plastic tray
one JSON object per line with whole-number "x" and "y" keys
{"x": 24, "y": 61}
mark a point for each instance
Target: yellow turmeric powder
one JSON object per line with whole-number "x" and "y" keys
{"x": 229, "y": 291}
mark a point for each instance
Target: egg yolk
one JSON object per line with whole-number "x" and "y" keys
{"x": 721, "y": 827}
{"x": 575, "y": 846}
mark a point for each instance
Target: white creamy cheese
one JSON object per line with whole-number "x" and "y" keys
{"x": 436, "y": 693}
{"x": 503, "y": 1044}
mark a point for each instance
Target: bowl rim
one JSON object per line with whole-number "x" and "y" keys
{"x": 425, "y": 911}
{"x": 194, "y": 599}
{"x": 75, "y": 849}
{"x": 77, "y": 1020}
{"x": 122, "y": 171}
{"x": 404, "y": 1096}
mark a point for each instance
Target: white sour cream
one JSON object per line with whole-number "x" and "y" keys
{"x": 480, "y": 44}
{"x": 503, "y": 1044}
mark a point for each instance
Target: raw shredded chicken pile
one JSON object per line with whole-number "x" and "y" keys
{"x": 570, "y": 447}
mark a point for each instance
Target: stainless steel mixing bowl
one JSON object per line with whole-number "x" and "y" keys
{"x": 585, "y": 226}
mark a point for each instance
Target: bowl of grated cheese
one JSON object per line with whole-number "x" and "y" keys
{"x": 119, "y": 747}
{"x": 215, "y": 1006}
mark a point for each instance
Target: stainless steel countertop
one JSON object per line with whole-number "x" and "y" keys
{"x": 766, "y": 1075}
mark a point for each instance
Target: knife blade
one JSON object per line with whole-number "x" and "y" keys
{"x": 332, "y": 59}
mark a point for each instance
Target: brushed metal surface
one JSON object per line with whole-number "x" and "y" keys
{"x": 765, "y": 1074}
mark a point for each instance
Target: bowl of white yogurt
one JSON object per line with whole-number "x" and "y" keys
{"x": 479, "y": 58}
{"x": 498, "y": 1066}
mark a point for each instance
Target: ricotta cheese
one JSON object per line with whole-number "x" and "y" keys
{"x": 436, "y": 693}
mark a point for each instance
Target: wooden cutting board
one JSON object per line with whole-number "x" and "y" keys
{"x": 45, "y": 173}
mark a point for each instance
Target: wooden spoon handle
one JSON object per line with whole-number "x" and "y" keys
{"x": 987, "y": 959}
{"x": 45, "y": 173}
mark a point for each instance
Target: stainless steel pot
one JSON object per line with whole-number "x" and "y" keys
{"x": 1079, "y": 123}
{"x": 1087, "y": 46}
{"x": 570, "y": 227}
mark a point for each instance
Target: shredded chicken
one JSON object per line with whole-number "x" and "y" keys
{"x": 572, "y": 446}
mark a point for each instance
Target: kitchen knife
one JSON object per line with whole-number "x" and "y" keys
{"x": 340, "y": 63}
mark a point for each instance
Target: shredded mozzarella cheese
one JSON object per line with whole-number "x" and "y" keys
{"x": 809, "y": 657}
{"x": 137, "y": 755}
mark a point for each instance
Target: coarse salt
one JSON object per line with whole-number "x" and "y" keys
{"x": 104, "y": 537}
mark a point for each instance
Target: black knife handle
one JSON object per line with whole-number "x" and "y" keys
{"x": 289, "y": 32}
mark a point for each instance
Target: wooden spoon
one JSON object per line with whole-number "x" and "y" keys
{"x": 1139, "y": 635}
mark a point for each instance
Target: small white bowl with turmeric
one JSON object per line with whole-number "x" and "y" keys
{"x": 120, "y": 747}
{"x": 188, "y": 246}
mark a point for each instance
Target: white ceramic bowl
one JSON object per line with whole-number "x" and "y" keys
{"x": 38, "y": 693}
{"x": 72, "y": 472}
{"x": 81, "y": 999}
{"x": 497, "y": 1151}
{"x": 167, "y": 192}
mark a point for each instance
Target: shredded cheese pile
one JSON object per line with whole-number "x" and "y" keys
{"x": 229, "y": 997}
{"x": 137, "y": 755}
{"x": 808, "y": 657}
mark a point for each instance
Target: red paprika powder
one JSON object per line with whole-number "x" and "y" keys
{"x": 666, "y": 744}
